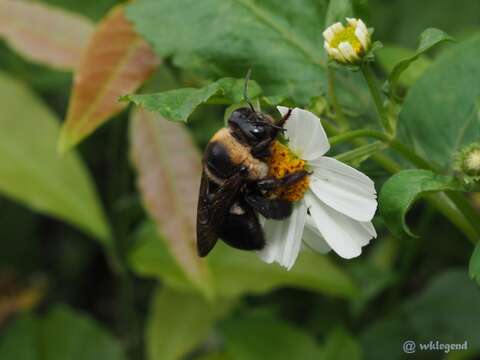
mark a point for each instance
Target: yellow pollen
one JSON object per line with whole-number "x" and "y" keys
{"x": 347, "y": 35}
{"x": 284, "y": 162}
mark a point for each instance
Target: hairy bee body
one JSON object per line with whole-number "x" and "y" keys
{"x": 235, "y": 182}
{"x": 225, "y": 155}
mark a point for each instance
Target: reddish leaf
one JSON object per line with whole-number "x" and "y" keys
{"x": 116, "y": 62}
{"x": 43, "y": 33}
{"x": 169, "y": 171}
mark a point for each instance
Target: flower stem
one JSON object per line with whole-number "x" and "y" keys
{"x": 360, "y": 152}
{"x": 466, "y": 209}
{"x": 394, "y": 144}
{"x": 376, "y": 96}
{"x": 339, "y": 116}
{"x": 444, "y": 205}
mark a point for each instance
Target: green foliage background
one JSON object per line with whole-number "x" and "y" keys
{"x": 124, "y": 296}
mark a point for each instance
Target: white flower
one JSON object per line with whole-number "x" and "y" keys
{"x": 336, "y": 209}
{"x": 347, "y": 44}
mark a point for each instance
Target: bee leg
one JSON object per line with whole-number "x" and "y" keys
{"x": 270, "y": 208}
{"x": 243, "y": 231}
{"x": 272, "y": 183}
{"x": 284, "y": 119}
{"x": 269, "y": 184}
{"x": 262, "y": 149}
{"x": 295, "y": 177}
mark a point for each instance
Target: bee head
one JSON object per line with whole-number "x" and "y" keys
{"x": 251, "y": 127}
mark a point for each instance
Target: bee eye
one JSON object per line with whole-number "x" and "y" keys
{"x": 259, "y": 130}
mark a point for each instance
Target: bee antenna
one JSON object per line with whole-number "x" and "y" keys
{"x": 245, "y": 89}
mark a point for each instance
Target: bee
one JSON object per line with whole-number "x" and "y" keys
{"x": 235, "y": 182}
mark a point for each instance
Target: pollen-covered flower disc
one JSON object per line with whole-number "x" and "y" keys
{"x": 283, "y": 162}
{"x": 468, "y": 162}
{"x": 333, "y": 207}
{"x": 347, "y": 44}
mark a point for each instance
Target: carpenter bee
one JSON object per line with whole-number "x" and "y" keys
{"x": 235, "y": 182}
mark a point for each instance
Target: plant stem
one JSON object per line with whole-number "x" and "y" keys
{"x": 443, "y": 204}
{"x": 360, "y": 152}
{"x": 339, "y": 116}
{"x": 394, "y": 144}
{"x": 357, "y": 134}
{"x": 466, "y": 209}
{"x": 376, "y": 96}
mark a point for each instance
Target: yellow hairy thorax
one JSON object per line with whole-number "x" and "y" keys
{"x": 284, "y": 162}
{"x": 347, "y": 35}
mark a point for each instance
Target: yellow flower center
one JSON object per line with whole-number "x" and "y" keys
{"x": 347, "y": 35}
{"x": 284, "y": 162}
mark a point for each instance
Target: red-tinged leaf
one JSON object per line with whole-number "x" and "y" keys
{"x": 169, "y": 171}
{"x": 43, "y": 33}
{"x": 116, "y": 62}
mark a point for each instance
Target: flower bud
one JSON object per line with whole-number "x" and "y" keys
{"x": 347, "y": 44}
{"x": 468, "y": 162}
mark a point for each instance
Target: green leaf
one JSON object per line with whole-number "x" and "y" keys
{"x": 179, "y": 104}
{"x": 340, "y": 345}
{"x": 215, "y": 356}
{"x": 238, "y": 272}
{"x": 402, "y": 189}
{"x": 259, "y": 335}
{"x": 31, "y": 171}
{"x": 427, "y": 40}
{"x": 390, "y": 55}
{"x": 179, "y": 322}
{"x": 440, "y": 115}
{"x": 338, "y": 10}
{"x": 474, "y": 265}
{"x": 59, "y": 335}
{"x": 282, "y": 44}
{"x": 428, "y": 316}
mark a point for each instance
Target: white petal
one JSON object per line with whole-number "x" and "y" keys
{"x": 338, "y": 55}
{"x": 337, "y": 27}
{"x": 306, "y": 136}
{"x": 352, "y": 22}
{"x": 361, "y": 25}
{"x": 328, "y": 34}
{"x": 334, "y": 53}
{"x": 344, "y": 235}
{"x": 313, "y": 239}
{"x": 362, "y": 37}
{"x": 343, "y": 188}
{"x": 347, "y": 51}
{"x": 327, "y": 48}
{"x": 284, "y": 237}
{"x": 370, "y": 228}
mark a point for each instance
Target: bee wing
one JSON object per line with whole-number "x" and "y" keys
{"x": 212, "y": 210}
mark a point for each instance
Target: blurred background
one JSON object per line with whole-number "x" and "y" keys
{"x": 63, "y": 295}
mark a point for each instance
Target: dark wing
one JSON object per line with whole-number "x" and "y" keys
{"x": 213, "y": 207}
